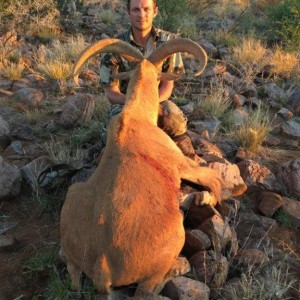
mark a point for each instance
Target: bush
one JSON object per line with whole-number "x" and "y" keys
{"x": 171, "y": 13}
{"x": 284, "y": 21}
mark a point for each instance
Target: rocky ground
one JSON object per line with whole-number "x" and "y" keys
{"x": 249, "y": 243}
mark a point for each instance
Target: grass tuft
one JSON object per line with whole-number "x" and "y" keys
{"x": 284, "y": 63}
{"x": 257, "y": 126}
{"x": 249, "y": 51}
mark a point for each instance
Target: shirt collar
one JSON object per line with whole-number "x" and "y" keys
{"x": 154, "y": 34}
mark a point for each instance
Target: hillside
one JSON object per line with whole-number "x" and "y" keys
{"x": 243, "y": 119}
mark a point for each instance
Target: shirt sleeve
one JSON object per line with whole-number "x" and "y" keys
{"x": 174, "y": 64}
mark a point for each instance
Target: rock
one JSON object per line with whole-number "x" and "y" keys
{"x": 289, "y": 176}
{"x": 209, "y": 267}
{"x": 210, "y": 49}
{"x": 4, "y": 134}
{"x": 291, "y": 208}
{"x": 196, "y": 215}
{"x": 294, "y": 101}
{"x": 223, "y": 52}
{"x": 6, "y": 242}
{"x": 218, "y": 231}
{"x": 228, "y": 208}
{"x": 184, "y": 143}
{"x": 285, "y": 113}
{"x": 78, "y": 109}
{"x": 239, "y": 116}
{"x": 188, "y": 108}
{"x": 228, "y": 147}
{"x": 238, "y": 100}
{"x": 29, "y": 97}
{"x": 256, "y": 175}
{"x": 213, "y": 70}
{"x": 253, "y": 230}
{"x": 233, "y": 184}
{"x": 5, "y": 84}
{"x": 246, "y": 259}
{"x": 272, "y": 140}
{"x": 269, "y": 203}
{"x": 274, "y": 91}
{"x": 195, "y": 241}
{"x": 10, "y": 181}
{"x": 19, "y": 125}
{"x": 205, "y": 147}
{"x": 212, "y": 126}
{"x": 20, "y": 84}
{"x": 31, "y": 171}
{"x": 183, "y": 288}
{"x": 291, "y": 129}
{"x": 253, "y": 102}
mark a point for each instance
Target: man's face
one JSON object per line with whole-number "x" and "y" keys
{"x": 141, "y": 14}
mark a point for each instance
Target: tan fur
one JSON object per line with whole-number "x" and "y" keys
{"x": 124, "y": 225}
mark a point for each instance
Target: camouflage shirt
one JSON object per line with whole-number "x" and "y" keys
{"x": 113, "y": 64}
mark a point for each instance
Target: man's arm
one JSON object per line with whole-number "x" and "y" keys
{"x": 165, "y": 90}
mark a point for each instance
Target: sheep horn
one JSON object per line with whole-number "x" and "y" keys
{"x": 106, "y": 46}
{"x": 179, "y": 45}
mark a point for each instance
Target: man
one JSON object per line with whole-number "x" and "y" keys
{"x": 146, "y": 38}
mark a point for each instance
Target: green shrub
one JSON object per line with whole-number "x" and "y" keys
{"x": 171, "y": 13}
{"x": 284, "y": 24}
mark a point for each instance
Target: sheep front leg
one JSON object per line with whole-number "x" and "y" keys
{"x": 203, "y": 176}
{"x": 74, "y": 273}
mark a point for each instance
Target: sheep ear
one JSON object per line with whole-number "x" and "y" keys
{"x": 168, "y": 76}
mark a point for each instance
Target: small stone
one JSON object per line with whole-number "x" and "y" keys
{"x": 248, "y": 258}
{"x": 218, "y": 231}
{"x": 269, "y": 203}
{"x": 209, "y": 267}
{"x": 29, "y": 97}
{"x": 195, "y": 241}
{"x": 196, "y": 215}
{"x": 6, "y": 241}
{"x": 183, "y": 288}
{"x": 292, "y": 208}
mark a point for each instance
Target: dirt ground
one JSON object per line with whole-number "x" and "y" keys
{"x": 34, "y": 234}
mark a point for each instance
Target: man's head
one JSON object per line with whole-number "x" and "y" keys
{"x": 141, "y": 13}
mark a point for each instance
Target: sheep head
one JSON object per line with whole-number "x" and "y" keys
{"x": 131, "y": 54}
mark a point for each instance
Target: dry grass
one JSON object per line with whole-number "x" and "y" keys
{"x": 248, "y": 52}
{"x": 284, "y": 63}
{"x": 102, "y": 108}
{"x": 60, "y": 152}
{"x": 276, "y": 283}
{"x": 11, "y": 70}
{"x": 56, "y": 69}
{"x": 216, "y": 102}
{"x": 57, "y": 61}
{"x": 252, "y": 134}
{"x": 33, "y": 16}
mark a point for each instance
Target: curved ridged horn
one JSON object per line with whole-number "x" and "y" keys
{"x": 179, "y": 45}
{"x": 106, "y": 46}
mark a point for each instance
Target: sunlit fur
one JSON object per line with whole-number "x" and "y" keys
{"x": 124, "y": 225}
